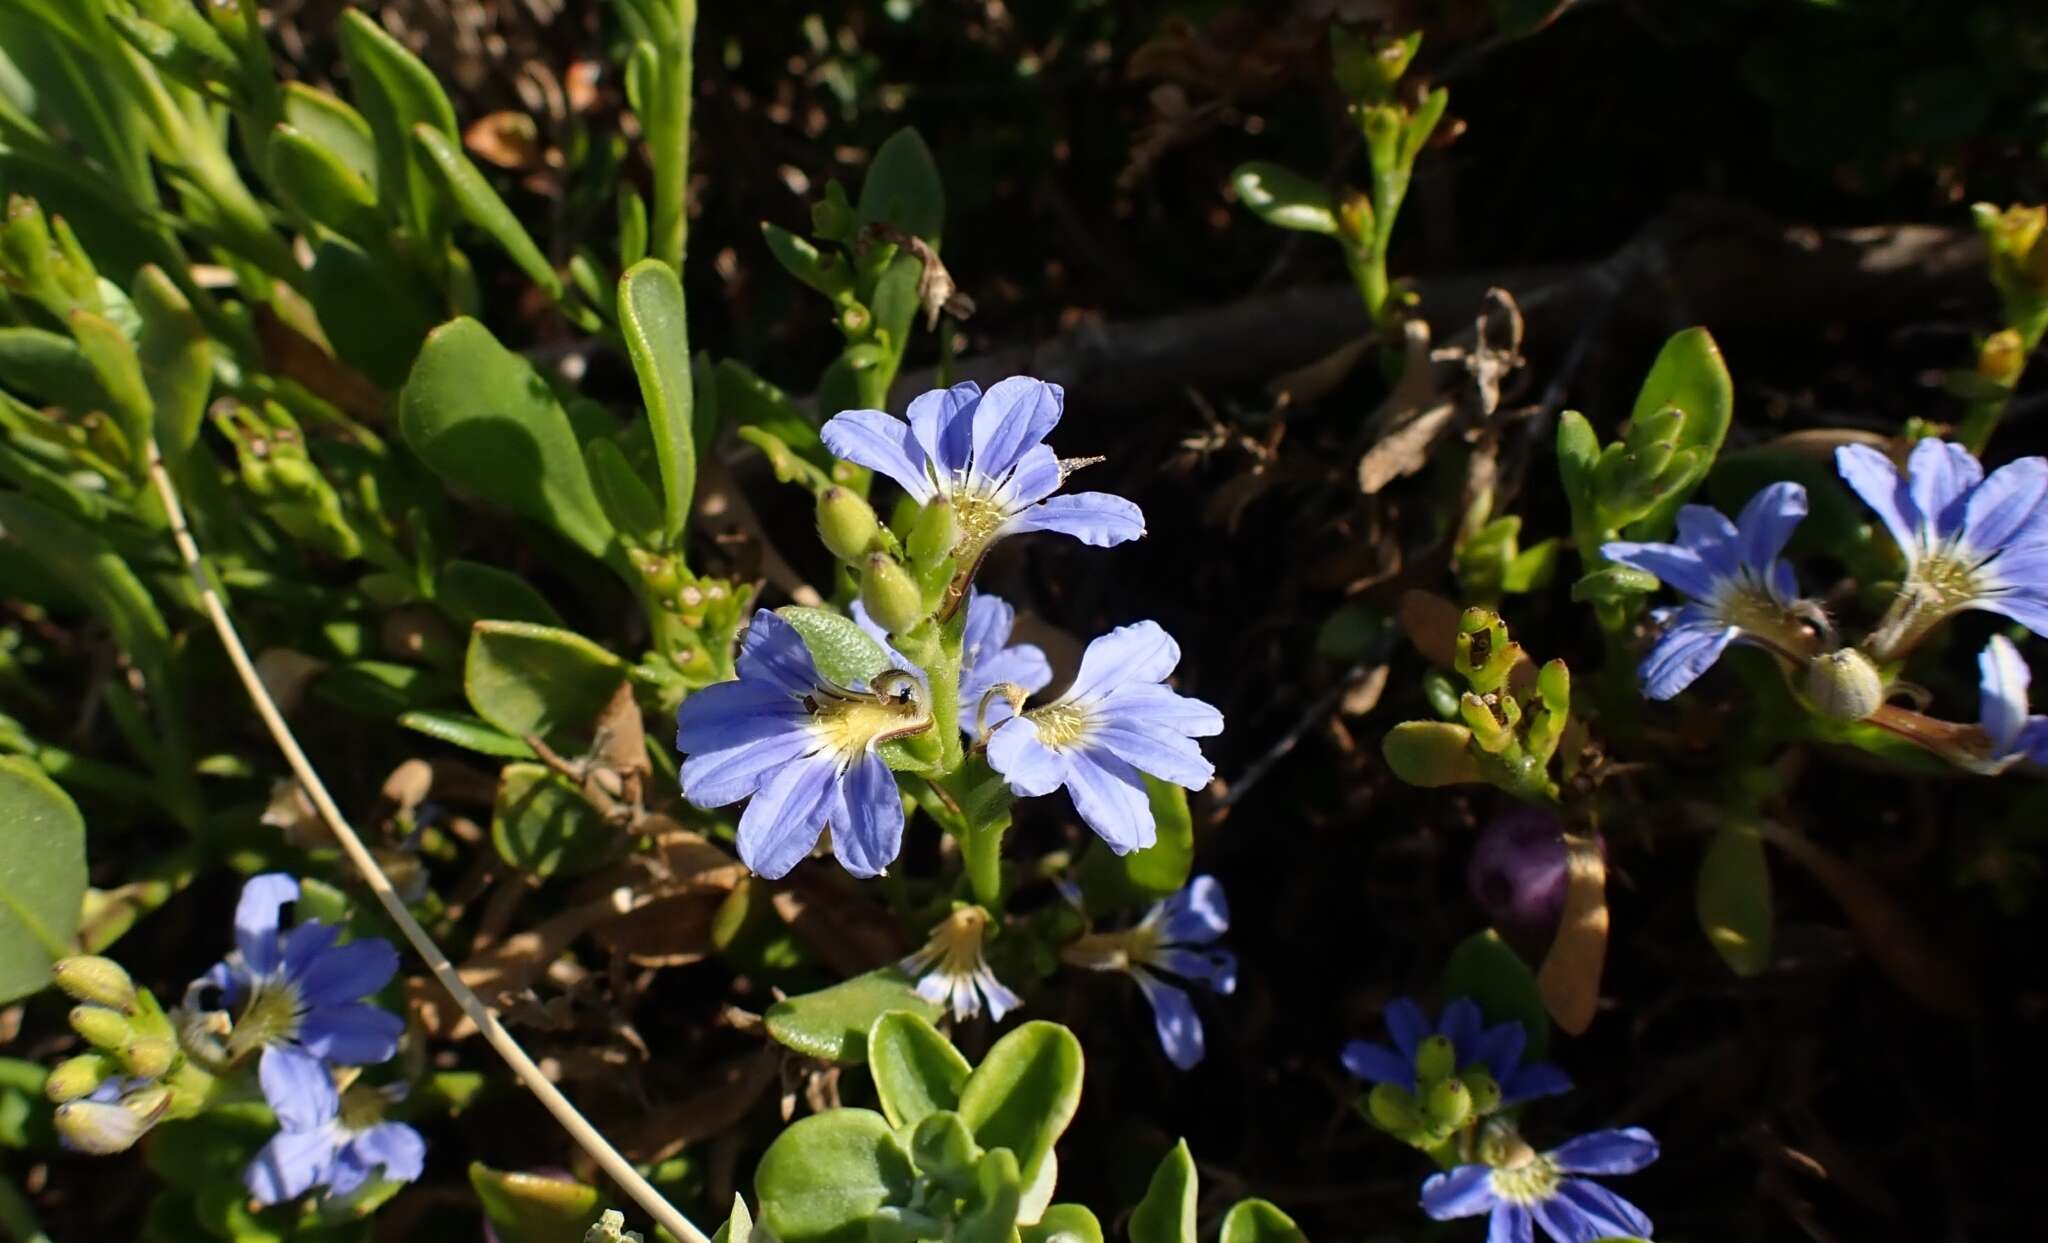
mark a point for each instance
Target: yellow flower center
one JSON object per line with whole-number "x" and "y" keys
{"x": 1060, "y": 725}
{"x": 850, "y": 722}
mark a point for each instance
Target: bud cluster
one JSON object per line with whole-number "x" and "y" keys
{"x": 137, "y": 1072}
{"x": 1444, "y": 1102}
{"x": 1511, "y": 719}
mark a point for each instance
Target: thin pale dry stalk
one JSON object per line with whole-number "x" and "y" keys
{"x": 579, "y": 1128}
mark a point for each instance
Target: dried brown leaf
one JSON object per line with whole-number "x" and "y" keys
{"x": 510, "y": 966}
{"x": 507, "y": 139}
{"x": 730, "y": 1090}
{"x": 1570, "y": 976}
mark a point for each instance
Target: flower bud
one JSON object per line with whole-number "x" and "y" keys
{"x": 1484, "y": 1091}
{"x": 79, "y": 1076}
{"x": 1435, "y": 1058}
{"x": 99, "y": 1129}
{"x": 102, "y": 1028}
{"x": 1392, "y": 1108}
{"x": 1843, "y": 684}
{"x": 846, "y": 523}
{"x": 892, "y": 599}
{"x": 102, "y": 981}
{"x": 1518, "y": 873}
{"x": 149, "y": 1057}
{"x": 1448, "y": 1105}
{"x": 2001, "y": 358}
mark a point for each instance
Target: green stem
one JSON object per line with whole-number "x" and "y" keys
{"x": 1981, "y": 418}
{"x": 669, "y": 130}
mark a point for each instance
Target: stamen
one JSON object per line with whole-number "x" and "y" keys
{"x": 849, "y": 722}
{"x": 1061, "y": 724}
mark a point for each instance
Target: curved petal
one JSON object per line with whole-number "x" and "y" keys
{"x": 1376, "y": 1063}
{"x": 1167, "y": 756}
{"x": 290, "y": 1165}
{"x": 1706, "y": 533}
{"x": 987, "y": 628}
{"x": 1037, "y": 475}
{"x": 394, "y": 1146}
{"x": 2006, "y": 505}
{"x": 1162, "y": 706}
{"x": 782, "y": 823}
{"x": 1407, "y": 1024}
{"x": 1511, "y": 1224}
{"x": 1680, "y": 656}
{"x": 257, "y": 915}
{"x": 942, "y": 420}
{"x": 1466, "y": 1191}
{"x": 1872, "y": 476}
{"x": 2028, "y": 608}
{"x": 1621, "y": 1151}
{"x": 1174, "y": 1018}
{"x": 1680, "y": 569}
{"x": 1215, "y": 968}
{"x": 1138, "y": 653}
{"x": 1000, "y": 999}
{"x": 867, "y": 817}
{"x": 357, "y": 1034}
{"x": 1533, "y": 1082}
{"x": 1097, "y": 519}
{"x": 1012, "y": 418}
{"x": 1767, "y": 522}
{"x": 1940, "y": 475}
{"x": 1196, "y": 915}
{"x": 882, "y": 444}
{"x": 304, "y": 944}
{"x": 1460, "y": 1023}
{"x": 1110, "y": 795}
{"x": 298, "y": 1088}
{"x": 727, "y": 775}
{"x": 2002, "y": 693}
{"x": 772, "y": 651}
{"x": 1028, "y": 766}
{"x": 1499, "y": 1049}
{"x": 1596, "y": 1211}
{"x": 728, "y": 715}
{"x": 348, "y": 972}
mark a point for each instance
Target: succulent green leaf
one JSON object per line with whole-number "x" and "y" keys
{"x": 396, "y": 92}
{"x": 529, "y": 679}
{"x": 1284, "y": 198}
{"x": 1064, "y": 1223}
{"x": 176, "y": 357}
{"x": 480, "y": 204}
{"x": 311, "y": 178}
{"x": 1431, "y": 753}
{"x": 1259, "y": 1221}
{"x": 532, "y": 1208}
{"x": 544, "y": 826}
{"x": 653, "y": 318}
{"x": 470, "y": 592}
{"x": 843, "y": 651}
{"x": 339, "y": 129}
{"x": 1167, "y": 1213}
{"x": 42, "y": 876}
{"x": 1485, "y": 969}
{"x": 833, "y": 1023}
{"x": 1690, "y": 375}
{"x": 916, "y": 1070}
{"x": 468, "y": 732}
{"x": 374, "y": 321}
{"x": 480, "y": 416}
{"x": 1022, "y": 1097}
{"x": 824, "y": 1177}
{"x": 903, "y": 188}
{"x": 1733, "y": 898}
{"x": 627, "y": 500}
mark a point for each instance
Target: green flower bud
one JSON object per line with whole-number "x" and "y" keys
{"x": 1435, "y": 1058}
{"x": 892, "y": 599}
{"x": 1392, "y": 1109}
{"x": 79, "y": 1076}
{"x": 102, "y": 981}
{"x": 1448, "y": 1105}
{"x": 934, "y": 534}
{"x": 99, "y": 1129}
{"x": 102, "y": 1028}
{"x": 1844, "y": 685}
{"x": 2001, "y": 358}
{"x": 846, "y": 524}
{"x": 1484, "y": 1092}
{"x": 149, "y": 1057}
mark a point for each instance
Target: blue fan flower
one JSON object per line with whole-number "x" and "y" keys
{"x": 804, "y": 748}
{"x": 950, "y": 968}
{"x": 297, "y": 995}
{"x": 985, "y": 454}
{"x": 1116, "y": 723}
{"x": 1176, "y": 936}
{"x": 1522, "y": 1189}
{"x": 326, "y": 1138}
{"x": 1970, "y": 541}
{"x": 1498, "y": 1049}
{"x": 987, "y": 657}
{"x": 1738, "y": 587}
{"x": 2014, "y": 733}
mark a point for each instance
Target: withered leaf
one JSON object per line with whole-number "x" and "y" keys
{"x": 1570, "y": 976}
{"x": 730, "y": 1090}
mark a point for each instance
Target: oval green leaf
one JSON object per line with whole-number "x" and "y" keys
{"x": 543, "y": 825}
{"x": 42, "y": 876}
{"x": 903, "y": 188}
{"x": 1690, "y": 375}
{"x": 1734, "y": 898}
{"x": 843, "y": 651}
{"x": 917, "y": 1071}
{"x": 822, "y": 1179}
{"x": 482, "y": 207}
{"x": 1064, "y": 1223}
{"x": 467, "y": 732}
{"x": 1167, "y": 1213}
{"x": 1022, "y": 1097}
{"x": 656, "y": 327}
{"x": 1284, "y": 198}
{"x": 833, "y": 1023}
{"x": 528, "y": 1208}
{"x": 1485, "y": 969}
{"x": 528, "y": 679}
{"x": 1259, "y": 1221}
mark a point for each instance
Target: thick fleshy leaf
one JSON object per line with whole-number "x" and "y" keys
{"x": 833, "y": 1023}
{"x": 842, "y": 650}
{"x": 1689, "y": 375}
{"x": 528, "y": 679}
{"x": 1064, "y": 1223}
{"x": 534, "y": 1208}
{"x": 656, "y": 327}
{"x": 42, "y": 878}
{"x": 824, "y": 1177}
{"x": 396, "y": 92}
{"x": 1167, "y": 1213}
{"x": 176, "y": 357}
{"x": 543, "y": 825}
{"x": 1259, "y": 1221}
{"x": 1284, "y": 198}
{"x": 916, "y": 1070}
{"x": 480, "y": 416}
{"x": 440, "y": 155}
{"x": 1733, "y": 899}
{"x": 902, "y": 187}
{"x": 1023, "y": 1095}
{"x": 1485, "y": 969}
